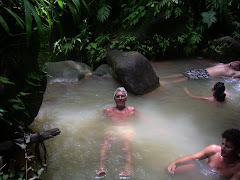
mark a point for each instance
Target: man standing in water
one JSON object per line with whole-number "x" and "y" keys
{"x": 223, "y": 159}
{"x": 120, "y": 118}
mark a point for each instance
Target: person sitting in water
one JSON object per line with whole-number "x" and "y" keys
{"x": 228, "y": 70}
{"x": 219, "y": 93}
{"x": 120, "y": 118}
{"x": 223, "y": 160}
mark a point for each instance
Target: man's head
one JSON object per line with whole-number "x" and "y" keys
{"x": 230, "y": 142}
{"x": 235, "y": 65}
{"x": 120, "y": 97}
{"x": 120, "y": 89}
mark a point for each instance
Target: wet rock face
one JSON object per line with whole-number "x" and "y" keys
{"x": 104, "y": 71}
{"x": 66, "y": 71}
{"x": 133, "y": 71}
{"x": 228, "y": 50}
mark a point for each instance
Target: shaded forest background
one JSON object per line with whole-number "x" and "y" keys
{"x": 33, "y": 32}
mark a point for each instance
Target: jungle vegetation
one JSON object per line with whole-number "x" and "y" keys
{"x": 33, "y": 32}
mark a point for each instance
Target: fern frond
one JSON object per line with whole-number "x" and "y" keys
{"x": 103, "y": 13}
{"x": 209, "y": 17}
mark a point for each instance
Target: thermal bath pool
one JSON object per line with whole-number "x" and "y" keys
{"x": 191, "y": 124}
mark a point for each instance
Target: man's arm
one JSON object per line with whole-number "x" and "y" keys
{"x": 208, "y": 151}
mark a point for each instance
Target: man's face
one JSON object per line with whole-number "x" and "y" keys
{"x": 120, "y": 99}
{"x": 228, "y": 149}
{"x": 235, "y": 65}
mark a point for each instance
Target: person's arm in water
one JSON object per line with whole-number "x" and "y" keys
{"x": 227, "y": 94}
{"x": 207, "y": 152}
{"x": 196, "y": 97}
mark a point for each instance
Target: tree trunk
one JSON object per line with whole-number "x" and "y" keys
{"x": 34, "y": 138}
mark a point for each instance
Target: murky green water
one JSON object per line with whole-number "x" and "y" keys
{"x": 191, "y": 125}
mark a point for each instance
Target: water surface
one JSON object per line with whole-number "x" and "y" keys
{"x": 191, "y": 124}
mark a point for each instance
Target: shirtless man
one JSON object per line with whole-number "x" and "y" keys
{"x": 231, "y": 69}
{"x": 223, "y": 158}
{"x": 120, "y": 117}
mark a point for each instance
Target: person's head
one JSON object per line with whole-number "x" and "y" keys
{"x": 120, "y": 97}
{"x": 218, "y": 91}
{"x": 230, "y": 142}
{"x": 235, "y": 65}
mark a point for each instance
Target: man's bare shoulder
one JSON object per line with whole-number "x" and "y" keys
{"x": 110, "y": 109}
{"x": 212, "y": 149}
{"x": 131, "y": 108}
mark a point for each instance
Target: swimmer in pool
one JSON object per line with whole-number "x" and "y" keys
{"x": 224, "y": 158}
{"x": 120, "y": 118}
{"x": 231, "y": 69}
{"x": 219, "y": 93}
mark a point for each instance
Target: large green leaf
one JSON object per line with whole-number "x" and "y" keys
{"x": 77, "y": 4}
{"x": 209, "y": 17}
{"x": 60, "y": 3}
{"x": 86, "y": 6}
{"x": 18, "y": 19}
{"x": 4, "y": 24}
{"x": 28, "y": 20}
{"x": 37, "y": 19}
{"x": 5, "y": 80}
{"x": 103, "y": 13}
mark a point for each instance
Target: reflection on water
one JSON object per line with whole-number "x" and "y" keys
{"x": 75, "y": 108}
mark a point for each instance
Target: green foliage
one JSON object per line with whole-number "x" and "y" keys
{"x": 41, "y": 15}
{"x": 130, "y": 43}
{"x": 209, "y": 17}
{"x": 96, "y": 49}
{"x": 5, "y": 80}
{"x": 218, "y": 5}
{"x": 103, "y": 13}
{"x": 162, "y": 42}
{"x": 213, "y": 45}
{"x": 236, "y": 32}
{"x": 135, "y": 14}
{"x": 166, "y": 7}
{"x": 66, "y": 45}
{"x": 189, "y": 41}
{"x": 178, "y": 12}
{"x": 4, "y": 24}
{"x": 17, "y": 105}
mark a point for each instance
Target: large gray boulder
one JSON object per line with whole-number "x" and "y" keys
{"x": 66, "y": 71}
{"x": 133, "y": 71}
{"x": 103, "y": 70}
{"x": 228, "y": 49}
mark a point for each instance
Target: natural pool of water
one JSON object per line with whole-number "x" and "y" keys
{"x": 76, "y": 108}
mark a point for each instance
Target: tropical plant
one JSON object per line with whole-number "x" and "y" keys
{"x": 97, "y": 49}
{"x": 209, "y": 18}
{"x": 162, "y": 42}
{"x": 104, "y": 11}
{"x": 130, "y": 43}
{"x": 166, "y": 7}
{"x": 40, "y": 15}
{"x": 135, "y": 14}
